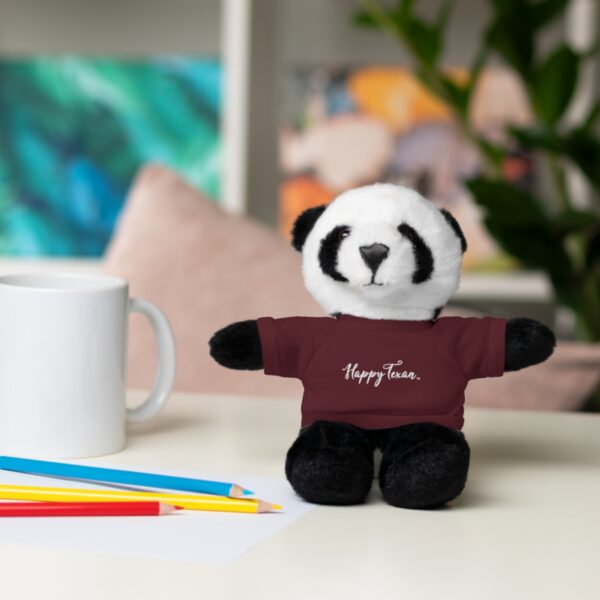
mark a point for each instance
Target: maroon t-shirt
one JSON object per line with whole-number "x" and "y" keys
{"x": 383, "y": 373}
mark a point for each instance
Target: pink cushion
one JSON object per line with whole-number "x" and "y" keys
{"x": 563, "y": 382}
{"x": 205, "y": 269}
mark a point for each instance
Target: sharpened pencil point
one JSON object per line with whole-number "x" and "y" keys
{"x": 165, "y": 509}
{"x": 263, "y": 507}
{"x": 236, "y": 491}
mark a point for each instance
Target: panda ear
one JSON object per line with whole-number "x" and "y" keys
{"x": 456, "y": 227}
{"x": 303, "y": 225}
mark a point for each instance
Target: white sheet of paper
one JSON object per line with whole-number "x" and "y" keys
{"x": 191, "y": 536}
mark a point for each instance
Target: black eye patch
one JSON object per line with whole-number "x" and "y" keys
{"x": 422, "y": 253}
{"x": 328, "y": 252}
{"x": 455, "y": 227}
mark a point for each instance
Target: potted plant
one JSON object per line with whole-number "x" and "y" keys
{"x": 551, "y": 233}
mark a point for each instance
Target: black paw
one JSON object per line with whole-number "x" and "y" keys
{"x": 528, "y": 342}
{"x": 237, "y": 346}
{"x": 331, "y": 463}
{"x": 423, "y": 466}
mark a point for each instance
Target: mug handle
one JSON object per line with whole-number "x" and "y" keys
{"x": 166, "y": 361}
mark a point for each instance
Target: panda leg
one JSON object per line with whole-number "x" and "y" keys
{"x": 424, "y": 465}
{"x": 331, "y": 463}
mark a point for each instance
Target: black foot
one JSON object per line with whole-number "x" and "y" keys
{"x": 331, "y": 463}
{"x": 424, "y": 465}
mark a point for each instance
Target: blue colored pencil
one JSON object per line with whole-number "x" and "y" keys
{"x": 133, "y": 478}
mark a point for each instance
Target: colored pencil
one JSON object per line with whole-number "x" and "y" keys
{"x": 188, "y": 501}
{"x": 85, "y": 509}
{"x": 135, "y": 478}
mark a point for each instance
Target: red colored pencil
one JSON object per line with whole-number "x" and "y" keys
{"x": 84, "y": 509}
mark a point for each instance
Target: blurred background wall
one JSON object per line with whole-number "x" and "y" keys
{"x": 266, "y": 107}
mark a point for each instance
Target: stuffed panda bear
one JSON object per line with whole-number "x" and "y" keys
{"x": 382, "y": 371}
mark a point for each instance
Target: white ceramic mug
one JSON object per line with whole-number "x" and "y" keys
{"x": 63, "y": 357}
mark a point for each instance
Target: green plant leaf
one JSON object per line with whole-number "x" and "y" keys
{"x": 511, "y": 36}
{"x": 572, "y": 220}
{"x": 537, "y": 137}
{"x": 554, "y": 82}
{"x": 583, "y": 148}
{"x": 364, "y": 19}
{"x": 506, "y": 203}
{"x": 538, "y": 14}
{"x": 534, "y": 247}
{"x": 502, "y": 6}
{"x": 543, "y": 13}
{"x": 424, "y": 40}
{"x": 592, "y": 116}
{"x": 580, "y": 146}
{"x": 495, "y": 153}
{"x": 517, "y": 221}
{"x": 425, "y": 78}
{"x": 476, "y": 68}
{"x": 457, "y": 95}
{"x": 444, "y": 15}
{"x": 593, "y": 250}
{"x": 404, "y": 11}
{"x": 514, "y": 26}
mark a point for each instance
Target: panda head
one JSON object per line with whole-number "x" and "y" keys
{"x": 381, "y": 252}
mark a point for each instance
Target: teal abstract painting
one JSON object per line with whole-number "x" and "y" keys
{"x": 74, "y": 130}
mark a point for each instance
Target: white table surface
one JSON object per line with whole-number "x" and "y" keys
{"x": 528, "y": 525}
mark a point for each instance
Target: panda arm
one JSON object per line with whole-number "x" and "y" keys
{"x": 237, "y": 346}
{"x": 528, "y": 342}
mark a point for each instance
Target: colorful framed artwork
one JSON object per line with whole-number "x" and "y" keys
{"x": 74, "y": 130}
{"x": 346, "y": 127}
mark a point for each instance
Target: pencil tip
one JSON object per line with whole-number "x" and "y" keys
{"x": 165, "y": 509}
{"x": 237, "y": 491}
{"x": 263, "y": 507}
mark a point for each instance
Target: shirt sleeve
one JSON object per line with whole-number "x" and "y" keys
{"x": 289, "y": 344}
{"x": 477, "y": 344}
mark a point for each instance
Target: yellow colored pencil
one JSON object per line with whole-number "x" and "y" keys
{"x": 187, "y": 501}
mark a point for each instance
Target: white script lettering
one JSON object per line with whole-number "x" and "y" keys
{"x": 390, "y": 372}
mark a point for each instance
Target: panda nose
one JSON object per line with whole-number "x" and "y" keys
{"x": 374, "y": 255}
